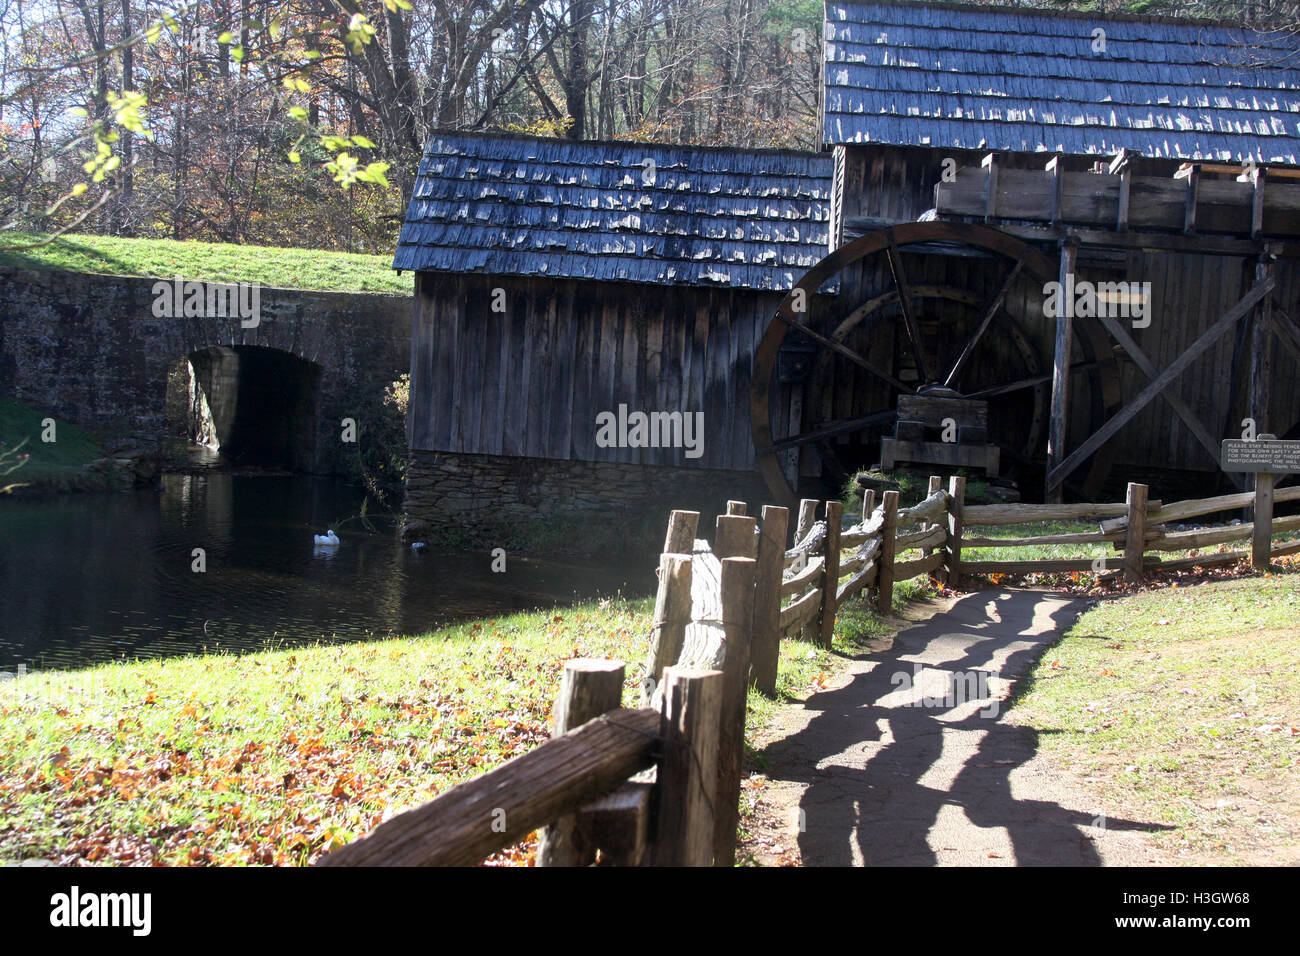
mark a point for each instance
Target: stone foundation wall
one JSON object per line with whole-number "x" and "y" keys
{"x": 486, "y": 496}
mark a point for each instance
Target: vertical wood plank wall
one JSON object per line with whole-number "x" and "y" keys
{"x": 531, "y": 381}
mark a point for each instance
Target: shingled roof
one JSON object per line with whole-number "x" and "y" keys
{"x": 972, "y": 77}
{"x": 629, "y": 212}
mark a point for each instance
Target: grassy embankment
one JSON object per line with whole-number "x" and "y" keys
{"x": 58, "y": 465}
{"x": 1179, "y": 705}
{"x": 208, "y": 261}
{"x": 274, "y": 757}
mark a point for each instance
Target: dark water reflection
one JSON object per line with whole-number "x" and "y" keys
{"x": 89, "y": 578}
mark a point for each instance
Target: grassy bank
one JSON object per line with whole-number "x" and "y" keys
{"x": 50, "y": 466}
{"x": 275, "y": 757}
{"x": 1179, "y": 706}
{"x": 209, "y": 261}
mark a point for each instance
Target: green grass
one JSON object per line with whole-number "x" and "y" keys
{"x": 1180, "y": 705}
{"x": 56, "y": 465}
{"x": 276, "y": 756}
{"x": 208, "y": 261}
{"x": 1105, "y": 549}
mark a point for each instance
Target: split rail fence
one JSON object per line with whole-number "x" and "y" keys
{"x": 660, "y": 784}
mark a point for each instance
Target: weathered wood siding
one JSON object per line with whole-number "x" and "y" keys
{"x": 531, "y": 381}
{"x": 890, "y": 184}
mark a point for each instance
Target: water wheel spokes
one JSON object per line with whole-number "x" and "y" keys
{"x": 833, "y": 410}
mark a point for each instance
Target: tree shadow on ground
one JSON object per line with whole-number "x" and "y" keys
{"x": 898, "y": 755}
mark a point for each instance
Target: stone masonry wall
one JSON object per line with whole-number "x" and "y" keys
{"x": 459, "y": 492}
{"x": 89, "y": 349}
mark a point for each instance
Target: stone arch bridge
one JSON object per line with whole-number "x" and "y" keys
{"x": 96, "y": 351}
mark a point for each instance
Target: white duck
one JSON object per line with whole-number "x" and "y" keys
{"x": 327, "y": 540}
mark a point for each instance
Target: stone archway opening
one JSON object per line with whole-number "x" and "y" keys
{"x": 257, "y": 405}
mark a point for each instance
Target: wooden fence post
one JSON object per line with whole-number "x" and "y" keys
{"x": 807, "y": 518}
{"x": 687, "y": 778}
{"x": 737, "y": 507}
{"x": 765, "y": 649}
{"x": 1261, "y": 543}
{"x": 936, "y": 484}
{"x": 831, "y": 573}
{"x": 672, "y": 614}
{"x": 680, "y": 538}
{"x": 737, "y": 621}
{"x": 735, "y": 537}
{"x": 1135, "y": 539}
{"x": 588, "y": 689}
{"x": 885, "y": 572}
{"x": 956, "y": 507}
{"x": 868, "y": 502}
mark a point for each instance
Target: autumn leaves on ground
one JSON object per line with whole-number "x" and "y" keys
{"x": 276, "y": 757}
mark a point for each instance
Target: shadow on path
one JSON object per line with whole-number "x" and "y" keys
{"x": 910, "y": 764}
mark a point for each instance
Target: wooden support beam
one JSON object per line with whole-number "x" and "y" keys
{"x": 1054, "y": 169}
{"x": 1193, "y": 195}
{"x": 737, "y": 508}
{"x": 1072, "y": 461}
{"x": 1286, "y": 330}
{"x": 1175, "y": 401}
{"x": 1121, "y": 165}
{"x": 1261, "y": 351}
{"x": 1259, "y": 180}
{"x": 1059, "y": 415}
{"x": 990, "y": 164}
{"x": 588, "y": 688}
{"x": 687, "y": 780}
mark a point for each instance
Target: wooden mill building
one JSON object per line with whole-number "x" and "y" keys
{"x": 556, "y": 281}
{"x": 825, "y": 311}
{"x": 981, "y": 153}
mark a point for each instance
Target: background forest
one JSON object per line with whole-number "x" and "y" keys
{"x": 236, "y": 120}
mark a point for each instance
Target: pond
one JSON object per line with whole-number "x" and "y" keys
{"x": 90, "y": 578}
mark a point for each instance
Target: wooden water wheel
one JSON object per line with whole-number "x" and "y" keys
{"x": 926, "y": 308}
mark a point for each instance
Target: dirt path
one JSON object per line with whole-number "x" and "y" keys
{"x": 904, "y": 760}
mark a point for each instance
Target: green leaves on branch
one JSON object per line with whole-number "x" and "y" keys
{"x": 347, "y": 170}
